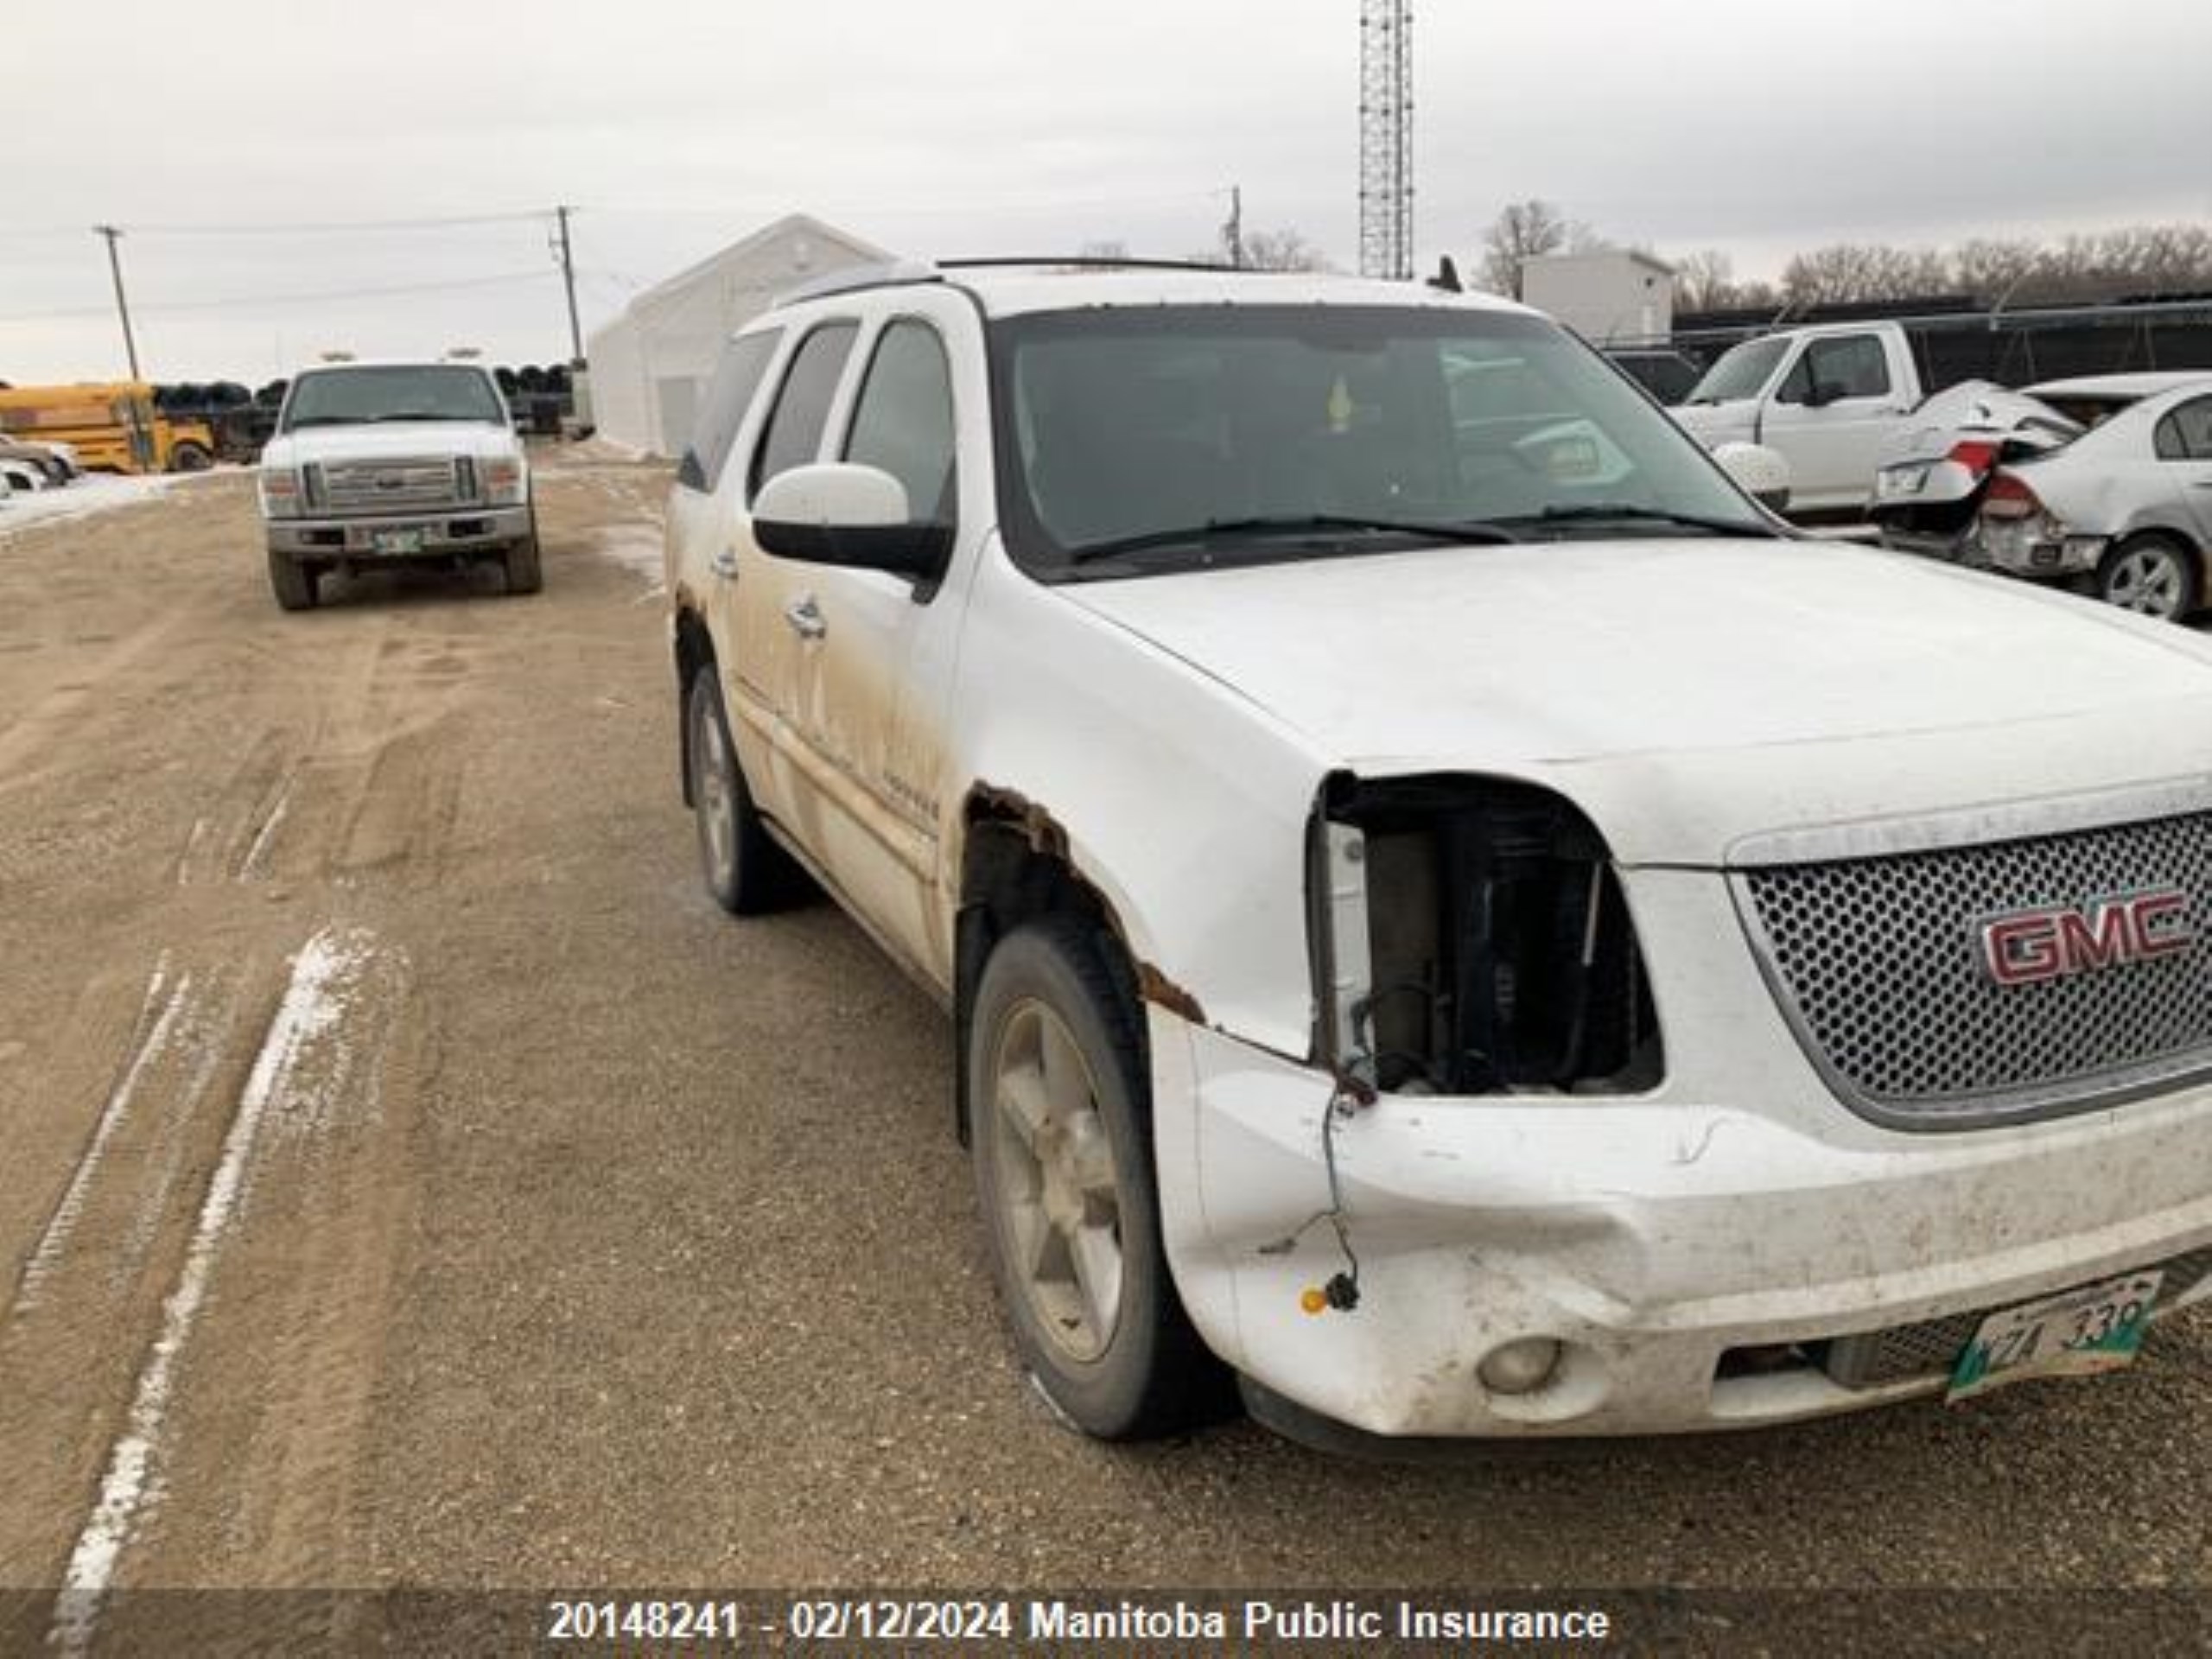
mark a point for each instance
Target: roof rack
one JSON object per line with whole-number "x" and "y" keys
{"x": 900, "y": 273}
{"x": 909, "y": 273}
{"x": 1083, "y": 262}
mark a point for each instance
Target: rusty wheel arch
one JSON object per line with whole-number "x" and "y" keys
{"x": 1015, "y": 864}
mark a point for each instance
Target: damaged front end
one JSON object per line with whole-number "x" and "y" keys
{"x": 1472, "y": 938}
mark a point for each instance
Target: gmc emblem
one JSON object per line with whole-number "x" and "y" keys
{"x": 2029, "y": 946}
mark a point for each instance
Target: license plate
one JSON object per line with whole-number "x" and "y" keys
{"x": 397, "y": 541}
{"x": 1902, "y": 480}
{"x": 2076, "y": 1333}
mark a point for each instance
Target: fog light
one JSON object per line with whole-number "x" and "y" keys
{"x": 1521, "y": 1367}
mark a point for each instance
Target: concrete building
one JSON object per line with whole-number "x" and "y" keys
{"x": 650, "y": 367}
{"x": 1616, "y": 295}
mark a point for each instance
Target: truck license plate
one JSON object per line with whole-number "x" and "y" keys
{"x": 2077, "y": 1332}
{"x": 397, "y": 541}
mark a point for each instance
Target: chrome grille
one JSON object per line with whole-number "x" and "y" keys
{"x": 390, "y": 485}
{"x": 1876, "y": 961}
{"x": 1933, "y": 1346}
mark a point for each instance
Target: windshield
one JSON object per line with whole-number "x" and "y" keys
{"x": 1740, "y": 373}
{"x": 1182, "y": 436}
{"x": 429, "y": 392}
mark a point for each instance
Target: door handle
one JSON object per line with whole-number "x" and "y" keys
{"x": 806, "y": 617}
{"x": 725, "y": 563}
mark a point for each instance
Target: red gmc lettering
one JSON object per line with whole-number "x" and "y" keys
{"x": 2041, "y": 944}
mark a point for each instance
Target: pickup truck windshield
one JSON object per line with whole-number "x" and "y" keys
{"x": 1146, "y": 439}
{"x": 1741, "y": 371}
{"x": 426, "y": 393}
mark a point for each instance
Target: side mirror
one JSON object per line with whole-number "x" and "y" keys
{"x": 1760, "y": 473}
{"x": 843, "y": 514}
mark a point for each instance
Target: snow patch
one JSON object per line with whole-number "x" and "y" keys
{"x": 150, "y": 1041}
{"x": 95, "y": 492}
{"x": 314, "y": 1004}
{"x": 636, "y": 547}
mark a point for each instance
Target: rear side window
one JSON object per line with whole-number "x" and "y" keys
{"x": 737, "y": 378}
{"x": 794, "y": 434}
{"x": 2186, "y": 435}
{"x": 904, "y": 423}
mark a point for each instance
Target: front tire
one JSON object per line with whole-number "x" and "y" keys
{"x": 294, "y": 583}
{"x": 521, "y": 564}
{"x": 1059, "y": 1111}
{"x": 2152, "y": 576}
{"x": 746, "y": 871}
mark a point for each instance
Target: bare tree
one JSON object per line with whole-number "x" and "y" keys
{"x": 1847, "y": 272}
{"x": 1283, "y": 250}
{"x": 1523, "y": 231}
{"x": 1704, "y": 281}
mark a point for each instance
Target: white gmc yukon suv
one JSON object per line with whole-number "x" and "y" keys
{"x": 395, "y": 463}
{"x": 1451, "y": 915}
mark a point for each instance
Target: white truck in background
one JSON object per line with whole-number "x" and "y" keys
{"x": 1828, "y": 399}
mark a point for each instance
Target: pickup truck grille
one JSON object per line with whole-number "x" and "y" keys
{"x": 388, "y": 486}
{"x": 1877, "y": 963}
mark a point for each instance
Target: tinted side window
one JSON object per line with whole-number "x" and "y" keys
{"x": 2186, "y": 435}
{"x": 794, "y": 434}
{"x": 904, "y": 421}
{"x": 736, "y": 379}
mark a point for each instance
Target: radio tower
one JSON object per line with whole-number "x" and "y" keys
{"x": 1386, "y": 139}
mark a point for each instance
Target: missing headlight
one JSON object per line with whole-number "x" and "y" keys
{"x": 1472, "y": 938}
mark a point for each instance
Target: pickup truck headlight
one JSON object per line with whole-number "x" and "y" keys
{"x": 280, "y": 491}
{"x": 1472, "y": 938}
{"x": 506, "y": 480}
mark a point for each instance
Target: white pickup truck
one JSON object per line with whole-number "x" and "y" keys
{"x": 1827, "y": 399}
{"x": 395, "y": 463}
{"x": 1448, "y": 912}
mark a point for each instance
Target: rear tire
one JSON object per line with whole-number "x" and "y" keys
{"x": 2150, "y": 576}
{"x": 1059, "y": 1119}
{"x": 294, "y": 583}
{"x": 190, "y": 458}
{"x": 747, "y": 873}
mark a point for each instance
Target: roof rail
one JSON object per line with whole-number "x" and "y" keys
{"x": 900, "y": 273}
{"x": 1084, "y": 261}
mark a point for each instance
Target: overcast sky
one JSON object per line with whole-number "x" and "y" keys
{"x": 989, "y": 125}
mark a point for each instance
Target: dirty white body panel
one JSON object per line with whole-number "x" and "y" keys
{"x": 1701, "y": 701}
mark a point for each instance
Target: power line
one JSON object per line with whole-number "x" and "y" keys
{"x": 389, "y": 291}
{"x": 336, "y": 227}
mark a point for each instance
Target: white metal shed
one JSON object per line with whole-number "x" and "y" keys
{"x": 650, "y": 367}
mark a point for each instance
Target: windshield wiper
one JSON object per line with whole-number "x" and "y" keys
{"x": 1622, "y": 512}
{"x": 1471, "y": 531}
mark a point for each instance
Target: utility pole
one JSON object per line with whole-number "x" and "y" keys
{"x": 1233, "y": 233}
{"x": 569, "y": 281}
{"x": 122, "y": 304}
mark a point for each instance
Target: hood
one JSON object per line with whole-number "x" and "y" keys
{"x": 390, "y": 442}
{"x": 1690, "y": 693}
{"x": 1711, "y": 423}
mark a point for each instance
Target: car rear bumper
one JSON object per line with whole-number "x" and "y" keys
{"x": 471, "y": 529}
{"x": 1701, "y": 1265}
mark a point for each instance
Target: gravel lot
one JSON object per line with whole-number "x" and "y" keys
{"x": 411, "y": 1178}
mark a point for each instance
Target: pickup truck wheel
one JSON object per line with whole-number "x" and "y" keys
{"x": 524, "y": 574}
{"x": 746, "y": 871}
{"x": 1063, "y": 1154}
{"x": 293, "y": 582}
{"x": 2151, "y": 576}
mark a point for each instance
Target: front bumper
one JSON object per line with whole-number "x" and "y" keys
{"x": 1700, "y": 1249}
{"x": 462, "y": 529}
